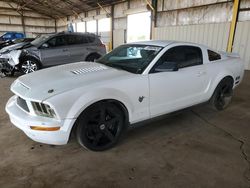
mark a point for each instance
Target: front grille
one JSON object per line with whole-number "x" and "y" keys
{"x": 22, "y": 104}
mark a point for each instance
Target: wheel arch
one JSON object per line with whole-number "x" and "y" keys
{"x": 24, "y": 56}
{"x": 92, "y": 53}
{"x": 217, "y": 82}
{"x": 116, "y": 102}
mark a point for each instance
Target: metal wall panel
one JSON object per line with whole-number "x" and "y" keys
{"x": 213, "y": 35}
{"x": 138, "y": 3}
{"x": 119, "y": 9}
{"x": 170, "y": 4}
{"x": 242, "y": 42}
{"x": 120, "y": 23}
{"x": 216, "y": 13}
{"x": 118, "y": 37}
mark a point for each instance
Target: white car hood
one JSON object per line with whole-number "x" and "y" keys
{"x": 43, "y": 84}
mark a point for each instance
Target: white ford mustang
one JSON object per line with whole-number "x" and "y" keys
{"x": 134, "y": 82}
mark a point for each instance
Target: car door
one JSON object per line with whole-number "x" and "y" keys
{"x": 77, "y": 47}
{"x": 172, "y": 89}
{"x": 55, "y": 51}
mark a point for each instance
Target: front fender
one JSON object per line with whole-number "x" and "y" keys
{"x": 71, "y": 104}
{"x": 27, "y": 54}
{"x": 97, "y": 95}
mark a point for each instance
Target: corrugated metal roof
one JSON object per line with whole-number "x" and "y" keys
{"x": 62, "y": 8}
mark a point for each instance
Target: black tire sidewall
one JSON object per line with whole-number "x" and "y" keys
{"x": 213, "y": 101}
{"x": 93, "y": 57}
{"x": 81, "y": 127}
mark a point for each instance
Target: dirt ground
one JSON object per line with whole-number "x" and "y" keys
{"x": 195, "y": 148}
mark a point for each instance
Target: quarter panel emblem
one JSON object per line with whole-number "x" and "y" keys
{"x": 140, "y": 99}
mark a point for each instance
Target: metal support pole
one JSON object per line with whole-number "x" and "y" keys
{"x": 233, "y": 25}
{"x": 23, "y": 23}
{"x": 55, "y": 26}
{"x": 112, "y": 28}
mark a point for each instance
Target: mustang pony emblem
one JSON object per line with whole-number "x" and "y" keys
{"x": 140, "y": 99}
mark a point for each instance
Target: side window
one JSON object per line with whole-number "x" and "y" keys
{"x": 91, "y": 39}
{"x": 85, "y": 40}
{"x": 193, "y": 56}
{"x": 179, "y": 56}
{"x": 76, "y": 39}
{"x": 57, "y": 41}
{"x": 52, "y": 42}
{"x": 213, "y": 56}
{"x": 19, "y": 35}
{"x": 71, "y": 39}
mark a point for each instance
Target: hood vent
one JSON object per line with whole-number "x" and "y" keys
{"x": 88, "y": 69}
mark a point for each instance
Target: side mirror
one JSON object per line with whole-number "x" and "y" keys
{"x": 45, "y": 45}
{"x": 167, "y": 67}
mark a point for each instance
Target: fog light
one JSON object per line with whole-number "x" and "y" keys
{"x": 38, "y": 128}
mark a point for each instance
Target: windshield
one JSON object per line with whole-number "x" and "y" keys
{"x": 132, "y": 57}
{"x": 40, "y": 40}
{"x": 18, "y": 40}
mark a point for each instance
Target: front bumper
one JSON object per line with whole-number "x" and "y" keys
{"x": 23, "y": 120}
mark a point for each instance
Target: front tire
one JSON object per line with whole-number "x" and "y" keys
{"x": 29, "y": 65}
{"x": 100, "y": 126}
{"x": 223, "y": 93}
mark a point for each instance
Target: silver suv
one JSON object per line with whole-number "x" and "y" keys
{"x": 54, "y": 49}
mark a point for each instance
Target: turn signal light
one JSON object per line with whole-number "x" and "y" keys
{"x": 38, "y": 128}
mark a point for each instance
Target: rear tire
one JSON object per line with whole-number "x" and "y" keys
{"x": 93, "y": 57}
{"x": 223, "y": 94}
{"x": 100, "y": 126}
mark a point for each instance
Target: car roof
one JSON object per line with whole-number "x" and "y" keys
{"x": 76, "y": 33}
{"x": 161, "y": 43}
{"x": 164, "y": 43}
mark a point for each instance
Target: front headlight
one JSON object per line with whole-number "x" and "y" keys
{"x": 42, "y": 109}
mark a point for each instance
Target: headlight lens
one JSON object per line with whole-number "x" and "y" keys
{"x": 42, "y": 109}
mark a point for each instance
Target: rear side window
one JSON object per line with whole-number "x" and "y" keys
{"x": 213, "y": 56}
{"x": 184, "y": 56}
{"x": 85, "y": 39}
{"x": 79, "y": 39}
{"x": 91, "y": 39}
{"x": 73, "y": 39}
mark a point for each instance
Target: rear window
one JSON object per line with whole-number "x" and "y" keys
{"x": 213, "y": 56}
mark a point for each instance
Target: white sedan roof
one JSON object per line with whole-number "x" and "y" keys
{"x": 161, "y": 43}
{"x": 164, "y": 43}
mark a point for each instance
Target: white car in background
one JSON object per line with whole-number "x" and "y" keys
{"x": 134, "y": 82}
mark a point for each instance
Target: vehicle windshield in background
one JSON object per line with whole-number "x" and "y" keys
{"x": 40, "y": 40}
{"x": 132, "y": 58}
{"x": 16, "y": 41}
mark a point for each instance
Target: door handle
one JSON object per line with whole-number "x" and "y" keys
{"x": 65, "y": 50}
{"x": 201, "y": 73}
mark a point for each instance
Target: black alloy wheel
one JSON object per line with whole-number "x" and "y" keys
{"x": 100, "y": 126}
{"x": 222, "y": 96}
